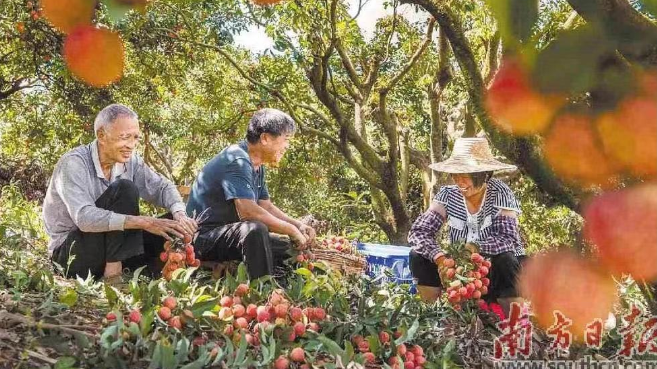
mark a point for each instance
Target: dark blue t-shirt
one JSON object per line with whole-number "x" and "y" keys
{"x": 228, "y": 176}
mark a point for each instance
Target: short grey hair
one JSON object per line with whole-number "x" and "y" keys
{"x": 271, "y": 121}
{"x": 111, "y": 113}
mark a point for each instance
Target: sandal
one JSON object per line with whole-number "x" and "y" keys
{"x": 117, "y": 281}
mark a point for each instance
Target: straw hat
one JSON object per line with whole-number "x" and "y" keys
{"x": 471, "y": 155}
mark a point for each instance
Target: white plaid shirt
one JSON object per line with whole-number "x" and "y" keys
{"x": 497, "y": 233}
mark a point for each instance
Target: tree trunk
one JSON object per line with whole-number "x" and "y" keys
{"x": 442, "y": 77}
{"x": 470, "y": 123}
{"x": 405, "y": 160}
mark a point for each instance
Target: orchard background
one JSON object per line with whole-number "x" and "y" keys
{"x": 565, "y": 90}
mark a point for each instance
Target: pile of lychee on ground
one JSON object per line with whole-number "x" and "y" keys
{"x": 260, "y": 325}
{"x": 244, "y": 329}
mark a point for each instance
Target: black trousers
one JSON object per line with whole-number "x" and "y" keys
{"x": 249, "y": 241}
{"x": 89, "y": 252}
{"x": 503, "y": 274}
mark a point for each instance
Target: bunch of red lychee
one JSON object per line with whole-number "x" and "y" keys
{"x": 277, "y": 316}
{"x": 466, "y": 281}
{"x": 305, "y": 255}
{"x": 411, "y": 357}
{"x": 176, "y": 255}
{"x": 167, "y": 312}
{"x": 297, "y": 355}
{"x": 362, "y": 345}
{"x": 338, "y": 243}
{"x": 133, "y": 316}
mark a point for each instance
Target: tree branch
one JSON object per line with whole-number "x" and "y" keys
{"x": 163, "y": 160}
{"x": 320, "y": 133}
{"x": 341, "y": 145}
{"x": 470, "y": 122}
{"x": 492, "y": 57}
{"x": 344, "y": 57}
{"x": 178, "y": 11}
{"x": 380, "y": 212}
{"x": 318, "y": 81}
{"x": 354, "y": 95}
{"x": 389, "y": 120}
{"x": 223, "y": 53}
{"x": 636, "y": 34}
{"x": 361, "y": 5}
{"x": 570, "y": 22}
{"x": 357, "y": 166}
{"x": 316, "y": 111}
{"x": 253, "y": 17}
{"x": 186, "y": 168}
{"x": 404, "y": 155}
{"x": 386, "y": 119}
{"x": 5, "y": 315}
{"x": 148, "y": 148}
{"x": 393, "y": 29}
{"x": 6, "y": 56}
{"x": 442, "y": 77}
{"x": 16, "y": 86}
{"x": 420, "y": 50}
{"x": 348, "y": 66}
{"x": 419, "y": 159}
{"x": 373, "y": 75}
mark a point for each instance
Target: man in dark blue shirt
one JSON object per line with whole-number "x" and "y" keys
{"x": 231, "y": 194}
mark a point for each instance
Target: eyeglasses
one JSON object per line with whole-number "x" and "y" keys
{"x": 127, "y": 137}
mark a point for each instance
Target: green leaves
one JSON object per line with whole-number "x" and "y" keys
{"x": 168, "y": 355}
{"x": 569, "y": 64}
{"x": 649, "y": 6}
{"x": 198, "y": 363}
{"x": 348, "y": 349}
{"x": 304, "y": 272}
{"x": 268, "y": 347}
{"x": 203, "y": 303}
{"x": 111, "y": 295}
{"x": 408, "y": 334}
{"x": 167, "y": 359}
{"x": 146, "y": 322}
{"x": 515, "y": 18}
{"x": 241, "y": 351}
{"x": 65, "y": 362}
{"x": 69, "y": 297}
{"x": 182, "y": 350}
{"x": 333, "y": 348}
{"x": 109, "y": 339}
{"x": 373, "y": 341}
{"x": 117, "y": 10}
{"x": 242, "y": 273}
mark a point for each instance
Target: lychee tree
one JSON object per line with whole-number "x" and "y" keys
{"x": 382, "y": 103}
{"x": 27, "y": 48}
{"x": 46, "y": 109}
{"x": 360, "y": 96}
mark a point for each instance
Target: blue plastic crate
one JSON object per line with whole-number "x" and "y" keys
{"x": 387, "y": 257}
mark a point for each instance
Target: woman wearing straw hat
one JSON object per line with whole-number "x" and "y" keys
{"x": 481, "y": 212}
